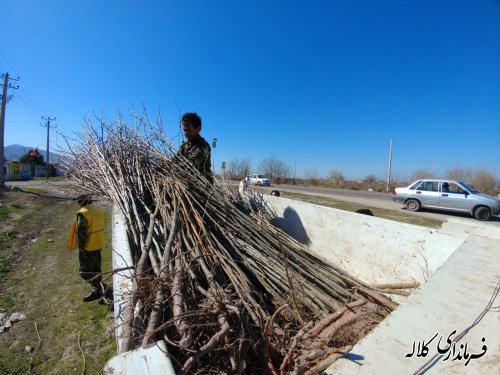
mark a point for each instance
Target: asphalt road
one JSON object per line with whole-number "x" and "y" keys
{"x": 369, "y": 199}
{"x": 365, "y": 198}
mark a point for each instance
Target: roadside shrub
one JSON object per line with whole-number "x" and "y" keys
{"x": 484, "y": 182}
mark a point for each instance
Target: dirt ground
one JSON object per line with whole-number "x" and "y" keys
{"x": 39, "y": 278}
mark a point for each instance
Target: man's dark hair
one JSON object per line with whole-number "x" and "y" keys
{"x": 193, "y": 118}
{"x": 84, "y": 200}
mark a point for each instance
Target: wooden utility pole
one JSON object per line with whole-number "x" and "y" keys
{"x": 48, "y": 119}
{"x": 389, "y": 168}
{"x": 5, "y": 98}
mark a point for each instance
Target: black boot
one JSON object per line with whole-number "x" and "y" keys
{"x": 107, "y": 302}
{"x": 109, "y": 293}
{"x": 107, "y": 298}
{"x": 92, "y": 296}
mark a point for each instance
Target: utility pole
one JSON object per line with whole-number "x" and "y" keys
{"x": 48, "y": 119}
{"x": 214, "y": 145}
{"x": 294, "y": 172}
{"x": 6, "y": 84}
{"x": 389, "y": 168}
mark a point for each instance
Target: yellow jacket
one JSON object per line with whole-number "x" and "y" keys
{"x": 95, "y": 229}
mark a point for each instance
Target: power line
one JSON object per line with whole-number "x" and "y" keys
{"x": 31, "y": 98}
{"x": 3, "y": 67}
{"x": 29, "y": 109}
{"x": 11, "y": 67}
{"x": 30, "y": 95}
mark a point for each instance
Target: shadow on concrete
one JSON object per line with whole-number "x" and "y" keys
{"x": 291, "y": 224}
{"x": 356, "y": 358}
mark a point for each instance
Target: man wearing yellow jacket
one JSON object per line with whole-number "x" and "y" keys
{"x": 87, "y": 233}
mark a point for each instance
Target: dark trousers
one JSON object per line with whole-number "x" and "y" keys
{"x": 90, "y": 267}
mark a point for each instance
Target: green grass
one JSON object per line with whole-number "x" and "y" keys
{"x": 43, "y": 283}
{"x": 7, "y": 238}
{"x": 7, "y": 211}
{"x": 4, "y": 213}
{"x": 378, "y": 212}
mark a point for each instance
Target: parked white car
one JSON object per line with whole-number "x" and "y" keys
{"x": 258, "y": 179}
{"x": 447, "y": 195}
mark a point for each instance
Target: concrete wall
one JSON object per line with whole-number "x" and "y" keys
{"x": 14, "y": 170}
{"x": 153, "y": 359}
{"x": 460, "y": 296}
{"x": 457, "y": 264}
{"x": 373, "y": 249}
{"x": 122, "y": 280}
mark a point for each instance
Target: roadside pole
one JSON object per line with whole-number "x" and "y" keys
{"x": 5, "y": 98}
{"x": 48, "y": 144}
{"x": 214, "y": 145}
{"x": 389, "y": 168}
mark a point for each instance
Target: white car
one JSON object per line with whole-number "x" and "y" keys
{"x": 447, "y": 195}
{"x": 258, "y": 179}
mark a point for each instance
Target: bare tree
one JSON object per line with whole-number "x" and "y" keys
{"x": 459, "y": 174}
{"x": 312, "y": 176}
{"x": 275, "y": 168}
{"x": 337, "y": 178}
{"x": 484, "y": 182}
{"x": 371, "y": 179}
{"x": 398, "y": 180}
{"x": 422, "y": 173}
{"x": 238, "y": 168}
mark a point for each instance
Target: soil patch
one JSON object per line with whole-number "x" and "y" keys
{"x": 39, "y": 278}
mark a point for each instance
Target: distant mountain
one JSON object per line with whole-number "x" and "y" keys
{"x": 15, "y": 152}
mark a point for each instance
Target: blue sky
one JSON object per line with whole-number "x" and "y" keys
{"x": 325, "y": 84}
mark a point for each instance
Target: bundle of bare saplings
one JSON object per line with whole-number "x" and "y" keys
{"x": 227, "y": 291}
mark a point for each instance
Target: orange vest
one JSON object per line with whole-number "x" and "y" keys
{"x": 95, "y": 229}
